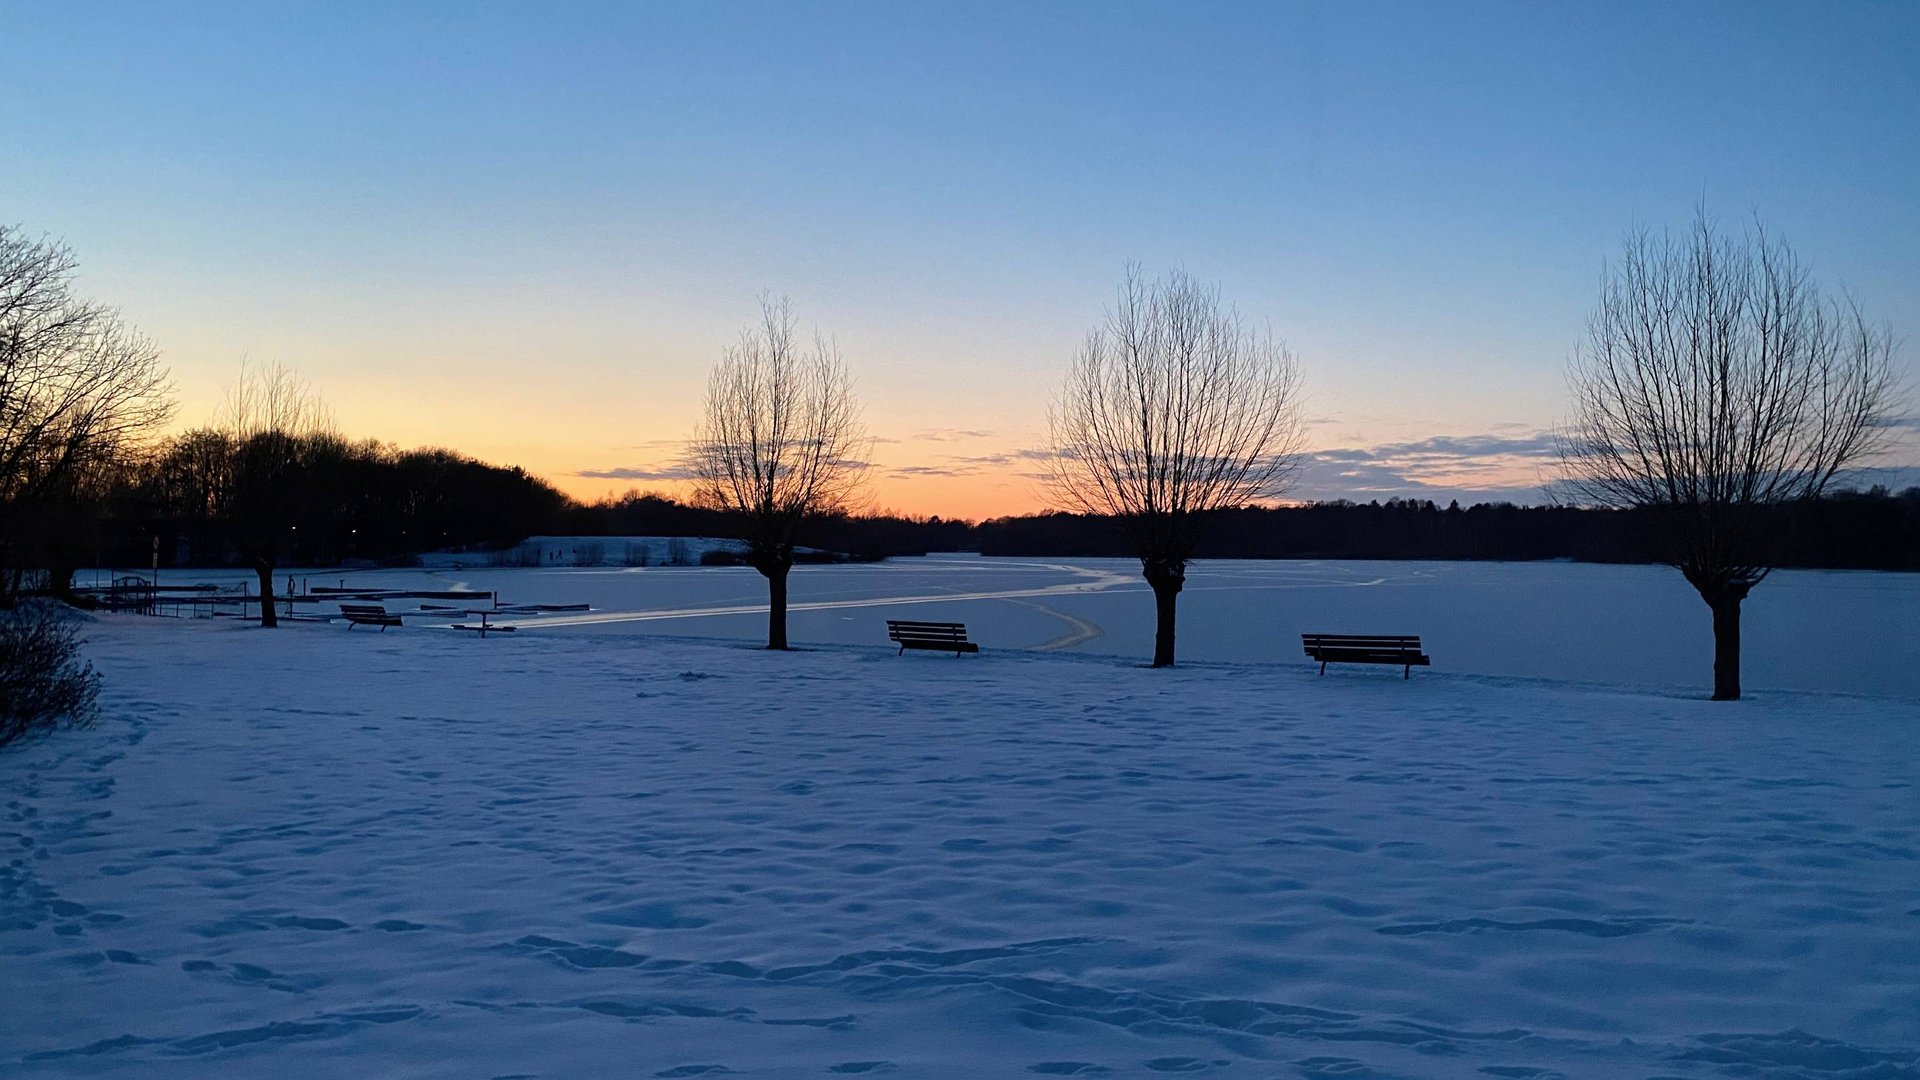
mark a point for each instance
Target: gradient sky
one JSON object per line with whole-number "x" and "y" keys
{"x": 525, "y": 230}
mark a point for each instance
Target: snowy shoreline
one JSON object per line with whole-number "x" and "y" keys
{"x": 414, "y": 854}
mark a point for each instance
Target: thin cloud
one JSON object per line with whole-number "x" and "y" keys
{"x": 1539, "y": 444}
{"x": 1001, "y": 460}
{"x": 648, "y": 473}
{"x": 1324, "y": 481}
{"x": 950, "y": 434}
{"x": 1476, "y": 468}
{"x": 1891, "y": 477}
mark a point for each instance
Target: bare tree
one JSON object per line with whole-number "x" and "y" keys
{"x": 79, "y": 393}
{"x": 273, "y": 423}
{"x": 1718, "y": 386}
{"x": 781, "y": 441}
{"x": 1173, "y": 409}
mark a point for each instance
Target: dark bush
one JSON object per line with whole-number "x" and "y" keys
{"x": 44, "y": 682}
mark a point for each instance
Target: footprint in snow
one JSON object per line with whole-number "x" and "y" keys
{"x": 299, "y": 922}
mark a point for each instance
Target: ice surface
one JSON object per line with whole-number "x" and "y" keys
{"x": 1640, "y": 626}
{"x": 315, "y": 853}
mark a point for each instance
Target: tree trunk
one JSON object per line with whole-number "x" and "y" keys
{"x": 60, "y": 583}
{"x": 1167, "y": 576}
{"x": 268, "y": 619}
{"x": 1726, "y": 646}
{"x": 776, "y": 606}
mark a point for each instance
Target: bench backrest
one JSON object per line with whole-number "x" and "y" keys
{"x": 362, "y": 610}
{"x": 1361, "y": 641}
{"x": 898, "y": 629}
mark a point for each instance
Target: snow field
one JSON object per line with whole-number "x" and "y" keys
{"x": 320, "y": 854}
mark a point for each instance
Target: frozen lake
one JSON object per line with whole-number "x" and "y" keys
{"x": 1641, "y": 626}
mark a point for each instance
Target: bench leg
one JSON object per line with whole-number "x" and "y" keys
{"x": 902, "y": 652}
{"x": 1408, "y": 673}
{"x": 1323, "y": 667}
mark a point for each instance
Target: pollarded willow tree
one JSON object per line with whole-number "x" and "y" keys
{"x": 781, "y": 441}
{"x": 1717, "y": 387}
{"x": 1174, "y": 409}
{"x": 272, "y": 424}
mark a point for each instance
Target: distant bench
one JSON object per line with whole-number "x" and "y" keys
{"x": 1365, "y": 649}
{"x": 938, "y": 636}
{"x": 486, "y": 627}
{"x": 368, "y": 615}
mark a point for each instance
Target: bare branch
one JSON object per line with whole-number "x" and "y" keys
{"x": 1174, "y": 408}
{"x": 1717, "y": 380}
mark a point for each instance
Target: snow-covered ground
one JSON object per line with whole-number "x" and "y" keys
{"x": 320, "y": 853}
{"x": 1639, "y": 626}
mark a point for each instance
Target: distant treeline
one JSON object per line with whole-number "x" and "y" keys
{"x": 1872, "y": 530}
{"x": 1866, "y": 530}
{"x": 864, "y": 536}
{"x": 332, "y": 501}
{"x": 370, "y": 502}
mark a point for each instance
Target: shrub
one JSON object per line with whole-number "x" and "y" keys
{"x": 44, "y": 682}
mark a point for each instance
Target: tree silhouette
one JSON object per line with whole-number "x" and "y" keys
{"x": 80, "y": 393}
{"x": 1718, "y": 385}
{"x": 274, "y": 425}
{"x": 780, "y": 442}
{"x": 1174, "y": 410}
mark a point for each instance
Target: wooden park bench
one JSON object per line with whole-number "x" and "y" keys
{"x": 1365, "y": 649}
{"x": 368, "y": 615}
{"x": 938, "y": 636}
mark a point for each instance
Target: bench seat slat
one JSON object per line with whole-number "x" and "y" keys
{"x": 1402, "y": 649}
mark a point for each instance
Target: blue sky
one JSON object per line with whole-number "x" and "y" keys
{"x": 525, "y": 230}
